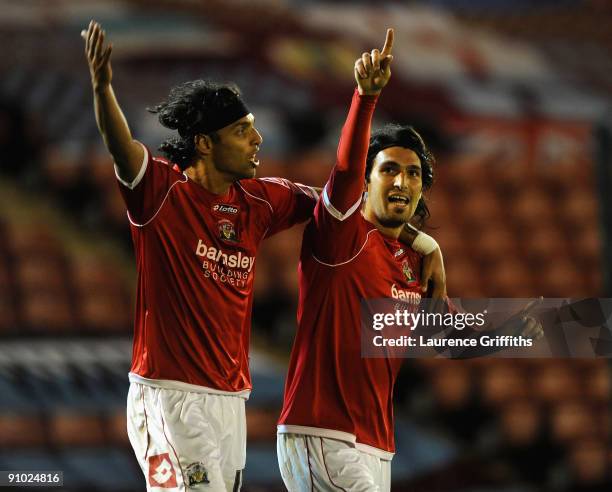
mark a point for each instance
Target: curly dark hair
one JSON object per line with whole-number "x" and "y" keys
{"x": 186, "y": 110}
{"x": 394, "y": 135}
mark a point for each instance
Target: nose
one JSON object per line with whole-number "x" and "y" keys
{"x": 257, "y": 138}
{"x": 400, "y": 181}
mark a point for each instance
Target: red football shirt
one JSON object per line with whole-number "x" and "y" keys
{"x": 195, "y": 255}
{"x": 331, "y": 391}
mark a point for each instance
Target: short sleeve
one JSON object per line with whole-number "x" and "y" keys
{"x": 145, "y": 195}
{"x": 288, "y": 203}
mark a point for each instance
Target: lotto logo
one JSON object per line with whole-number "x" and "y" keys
{"x": 161, "y": 471}
{"x": 223, "y": 208}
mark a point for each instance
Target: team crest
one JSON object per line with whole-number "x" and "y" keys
{"x": 408, "y": 272}
{"x": 227, "y": 231}
{"x": 197, "y": 474}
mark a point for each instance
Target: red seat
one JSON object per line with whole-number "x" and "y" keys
{"x": 115, "y": 425}
{"x": 19, "y": 430}
{"x": 544, "y": 245}
{"x": 579, "y": 207}
{"x": 261, "y": 424}
{"x": 561, "y": 278}
{"x": 555, "y": 382}
{"x": 35, "y": 274}
{"x": 105, "y": 312}
{"x": 463, "y": 278}
{"x": 452, "y": 240}
{"x": 495, "y": 243}
{"x": 70, "y": 429}
{"x": 47, "y": 312}
{"x": 509, "y": 278}
{"x": 480, "y": 210}
{"x": 571, "y": 420}
{"x": 531, "y": 209}
{"x": 503, "y": 382}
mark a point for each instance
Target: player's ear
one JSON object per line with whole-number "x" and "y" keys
{"x": 203, "y": 144}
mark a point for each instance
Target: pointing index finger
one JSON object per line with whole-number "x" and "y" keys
{"x": 532, "y": 305}
{"x": 388, "y": 44}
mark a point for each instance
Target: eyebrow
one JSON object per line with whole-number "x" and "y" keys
{"x": 397, "y": 164}
{"x": 242, "y": 124}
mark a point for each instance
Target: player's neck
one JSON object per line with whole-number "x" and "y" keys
{"x": 392, "y": 232}
{"x": 207, "y": 176}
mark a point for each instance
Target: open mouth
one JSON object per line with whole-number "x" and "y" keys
{"x": 399, "y": 199}
{"x": 254, "y": 160}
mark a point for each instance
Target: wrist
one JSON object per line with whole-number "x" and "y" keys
{"x": 363, "y": 92}
{"x": 424, "y": 244}
{"x": 100, "y": 88}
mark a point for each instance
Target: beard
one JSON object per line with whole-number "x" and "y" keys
{"x": 391, "y": 222}
{"x": 238, "y": 172}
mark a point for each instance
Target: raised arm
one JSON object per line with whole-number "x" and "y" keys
{"x": 372, "y": 72}
{"x": 127, "y": 153}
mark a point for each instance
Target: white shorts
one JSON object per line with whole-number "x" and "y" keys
{"x": 187, "y": 441}
{"x": 322, "y": 464}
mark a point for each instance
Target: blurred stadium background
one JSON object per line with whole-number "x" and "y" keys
{"x": 513, "y": 96}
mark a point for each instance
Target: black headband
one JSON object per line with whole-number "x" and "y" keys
{"x": 217, "y": 118}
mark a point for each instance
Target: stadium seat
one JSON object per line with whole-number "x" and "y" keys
{"x": 480, "y": 210}
{"x": 105, "y": 312}
{"x": 21, "y": 430}
{"x": 463, "y": 277}
{"x": 34, "y": 274}
{"x": 597, "y": 385}
{"x": 451, "y": 238}
{"x": 261, "y": 424}
{"x": 555, "y": 382}
{"x": 69, "y": 428}
{"x": 529, "y": 209}
{"x": 441, "y": 207}
{"x": 571, "y": 420}
{"x": 587, "y": 247}
{"x": 544, "y": 245}
{"x": 503, "y": 382}
{"x": 520, "y": 422}
{"x": 35, "y": 239}
{"x": 47, "y": 312}
{"x": 495, "y": 242}
{"x": 589, "y": 464}
{"x": 561, "y": 278}
{"x": 115, "y": 426}
{"x": 579, "y": 208}
{"x": 451, "y": 385}
{"x": 510, "y": 278}
{"x": 94, "y": 275}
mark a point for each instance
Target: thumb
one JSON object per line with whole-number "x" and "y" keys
{"x": 385, "y": 65}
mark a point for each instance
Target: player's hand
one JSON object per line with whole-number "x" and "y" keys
{"x": 523, "y": 324}
{"x": 98, "y": 57}
{"x": 373, "y": 70}
{"x": 433, "y": 269}
{"x": 531, "y": 328}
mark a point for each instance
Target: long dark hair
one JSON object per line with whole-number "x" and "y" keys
{"x": 186, "y": 110}
{"x": 394, "y": 135}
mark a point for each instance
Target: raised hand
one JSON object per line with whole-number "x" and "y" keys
{"x": 98, "y": 57}
{"x": 522, "y": 323}
{"x": 373, "y": 70}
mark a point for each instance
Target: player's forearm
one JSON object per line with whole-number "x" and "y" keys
{"x": 346, "y": 184}
{"x": 115, "y": 131}
{"x": 355, "y": 137}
